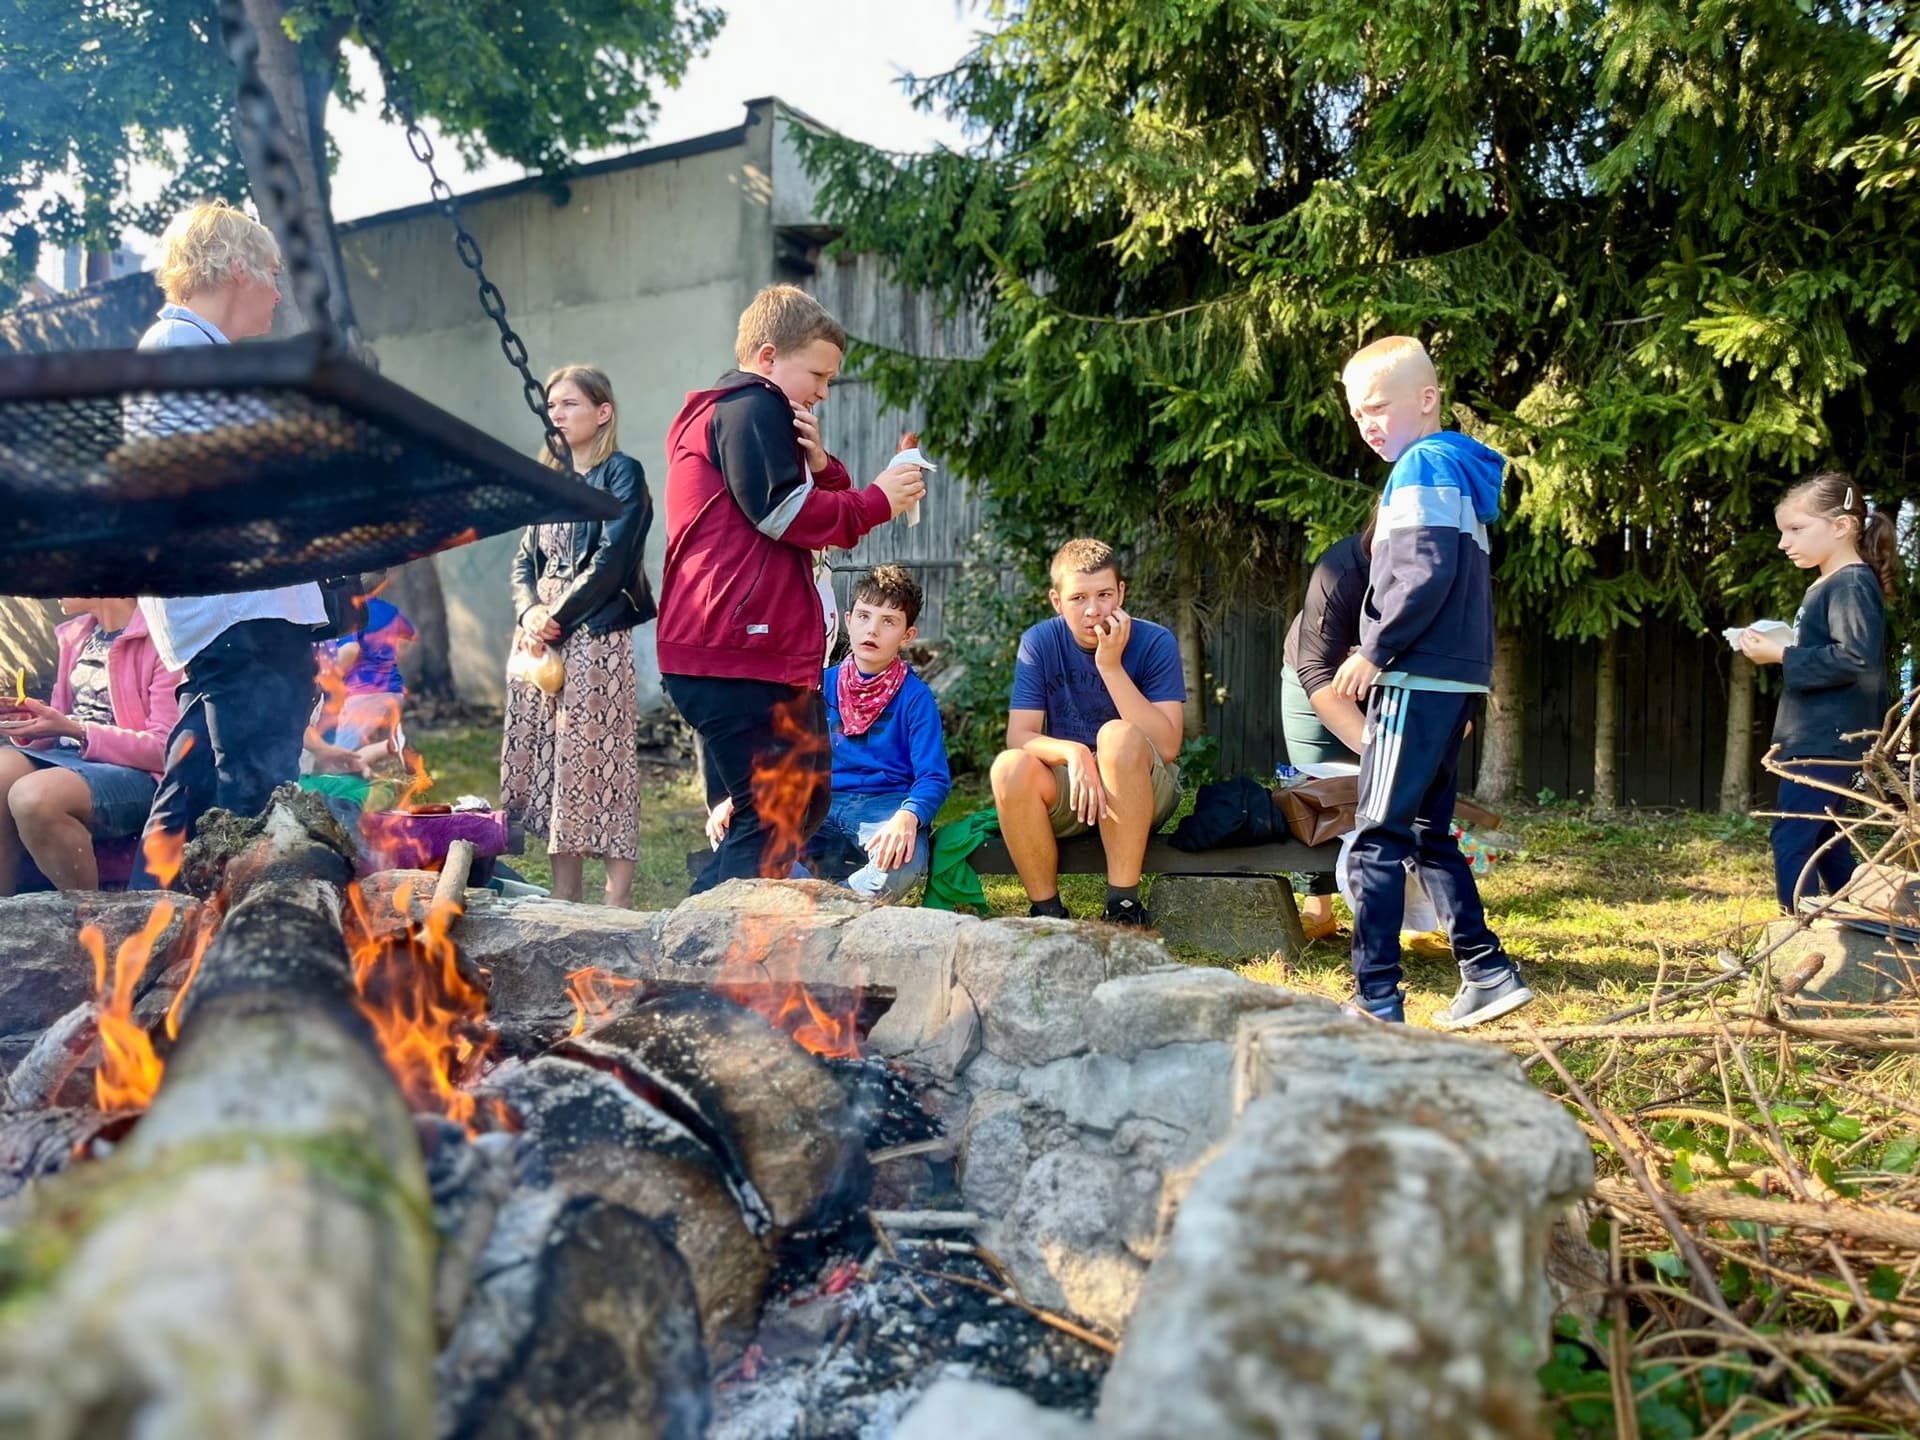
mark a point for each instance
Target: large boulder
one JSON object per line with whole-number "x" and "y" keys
{"x": 1366, "y": 1254}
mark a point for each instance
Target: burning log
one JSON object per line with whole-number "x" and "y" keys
{"x": 254, "y": 1259}
{"x": 591, "y": 1134}
{"x": 776, "y": 1114}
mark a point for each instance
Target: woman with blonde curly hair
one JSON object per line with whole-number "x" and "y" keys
{"x": 247, "y": 659}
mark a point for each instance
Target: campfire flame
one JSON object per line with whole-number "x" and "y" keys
{"x": 130, "y": 1071}
{"x": 593, "y": 991}
{"x": 164, "y": 851}
{"x": 429, "y": 1018}
{"x": 813, "y": 1029}
{"x": 203, "y": 933}
{"x": 787, "y": 783}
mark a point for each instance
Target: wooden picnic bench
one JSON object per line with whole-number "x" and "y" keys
{"x": 1084, "y": 855}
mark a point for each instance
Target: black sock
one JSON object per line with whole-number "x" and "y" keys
{"x": 1123, "y": 892}
{"x": 1050, "y": 906}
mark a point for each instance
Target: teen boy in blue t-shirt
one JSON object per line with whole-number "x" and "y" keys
{"x": 1093, "y": 732}
{"x": 890, "y": 774}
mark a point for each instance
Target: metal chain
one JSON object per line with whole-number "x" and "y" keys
{"x": 282, "y": 204}
{"x": 492, "y": 302}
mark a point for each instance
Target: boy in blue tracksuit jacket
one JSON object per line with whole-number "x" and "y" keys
{"x": 1425, "y": 659}
{"x": 890, "y": 774}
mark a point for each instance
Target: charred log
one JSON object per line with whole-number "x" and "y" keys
{"x": 776, "y": 1114}
{"x": 584, "y": 1326}
{"x": 592, "y": 1135}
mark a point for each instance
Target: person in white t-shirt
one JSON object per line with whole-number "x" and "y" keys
{"x": 247, "y": 658}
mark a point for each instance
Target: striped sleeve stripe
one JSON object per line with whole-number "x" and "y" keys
{"x": 1418, "y": 507}
{"x": 776, "y": 521}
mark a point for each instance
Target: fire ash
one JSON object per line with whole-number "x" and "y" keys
{"x": 429, "y": 1017}
{"x": 129, "y": 1071}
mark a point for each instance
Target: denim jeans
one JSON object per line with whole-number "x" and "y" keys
{"x": 1804, "y": 827}
{"x": 244, "y": 706}
{"x": 839, "y": 847}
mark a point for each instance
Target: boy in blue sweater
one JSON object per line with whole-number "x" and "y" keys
{"x": 1425, "y": 659}
{"x": 890, "y": 774}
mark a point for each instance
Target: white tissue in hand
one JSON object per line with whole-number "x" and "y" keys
{"x": 912, "y": 456}
{"x": 1763, "y": 627}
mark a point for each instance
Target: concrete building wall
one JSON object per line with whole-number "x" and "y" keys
{"x": 640, "y": 266}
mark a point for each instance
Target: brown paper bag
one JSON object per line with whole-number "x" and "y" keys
{"x": 1317, "y": 811}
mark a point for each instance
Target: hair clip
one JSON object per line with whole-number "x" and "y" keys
{"x": 1847, "y": 504}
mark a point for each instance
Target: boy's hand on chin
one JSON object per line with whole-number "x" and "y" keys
{"x": 892, "y": 845}
{"x": 1112, "y": 636}
{"x": 808, "y": 426}
{"x": 1355, "y": 677}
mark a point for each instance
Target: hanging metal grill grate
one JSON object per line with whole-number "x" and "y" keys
{"x": 239, "y": 467}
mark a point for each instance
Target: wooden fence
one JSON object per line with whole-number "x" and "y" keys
{"x": 1670, "y": 700}
{"x": 864, "y": 434}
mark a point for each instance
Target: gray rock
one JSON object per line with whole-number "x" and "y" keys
{"x": 1835, "y": 963}
{"x": 987, "y": 1071}
{"x": 932, "y": 1022}
{"x": 820, "y": 935}
{"x": 529, "y": 946}
{"x": 1031, "y": 981}
{"x": 1236, "y": 918}
{"x": 1366, "y": 1253}
{"x": 1186, "y": 1086}
{"x": 1064, "y": 1237}
{"x": 773, "y": 925}
{"x": 1133, "y": 1013}
{"x": 962, "y": 1409}
{"x": 993, "y": 1152}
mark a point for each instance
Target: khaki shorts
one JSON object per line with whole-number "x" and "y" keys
{"x": 1166, "y": 799}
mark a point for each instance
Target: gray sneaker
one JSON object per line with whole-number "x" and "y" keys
{"x": 1482, "y": 1000}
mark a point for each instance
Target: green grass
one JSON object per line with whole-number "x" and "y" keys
{"x": 1589, "y": 907}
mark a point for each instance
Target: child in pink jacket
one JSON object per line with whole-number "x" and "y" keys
{"x": 85, "y": 767}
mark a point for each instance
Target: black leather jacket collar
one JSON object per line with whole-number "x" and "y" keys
{"x": 600, "y": 561}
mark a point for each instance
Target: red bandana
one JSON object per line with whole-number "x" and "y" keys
{"x": 863, "y": 697}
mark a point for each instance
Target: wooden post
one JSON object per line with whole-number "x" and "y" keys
{"x": 1503, "y": 758}
{"x": 1736, "y": 771}
{"x": 1606, "y": 725}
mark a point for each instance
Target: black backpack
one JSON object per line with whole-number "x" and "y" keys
{"x": 1227, "y": 813}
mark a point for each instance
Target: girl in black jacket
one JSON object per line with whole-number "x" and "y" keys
{"x": 1835, "y": 673}
{"x": 569, "y": 768}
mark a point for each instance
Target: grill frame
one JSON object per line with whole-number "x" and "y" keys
{"x": 68, "y": 527}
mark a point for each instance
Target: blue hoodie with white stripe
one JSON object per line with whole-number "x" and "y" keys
{"x": 1429, "y": 607}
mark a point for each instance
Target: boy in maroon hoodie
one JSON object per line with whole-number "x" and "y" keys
{"x": 751, "y": 493}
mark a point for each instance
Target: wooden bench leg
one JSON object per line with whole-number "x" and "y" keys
{"x": 1293, "y": 936}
